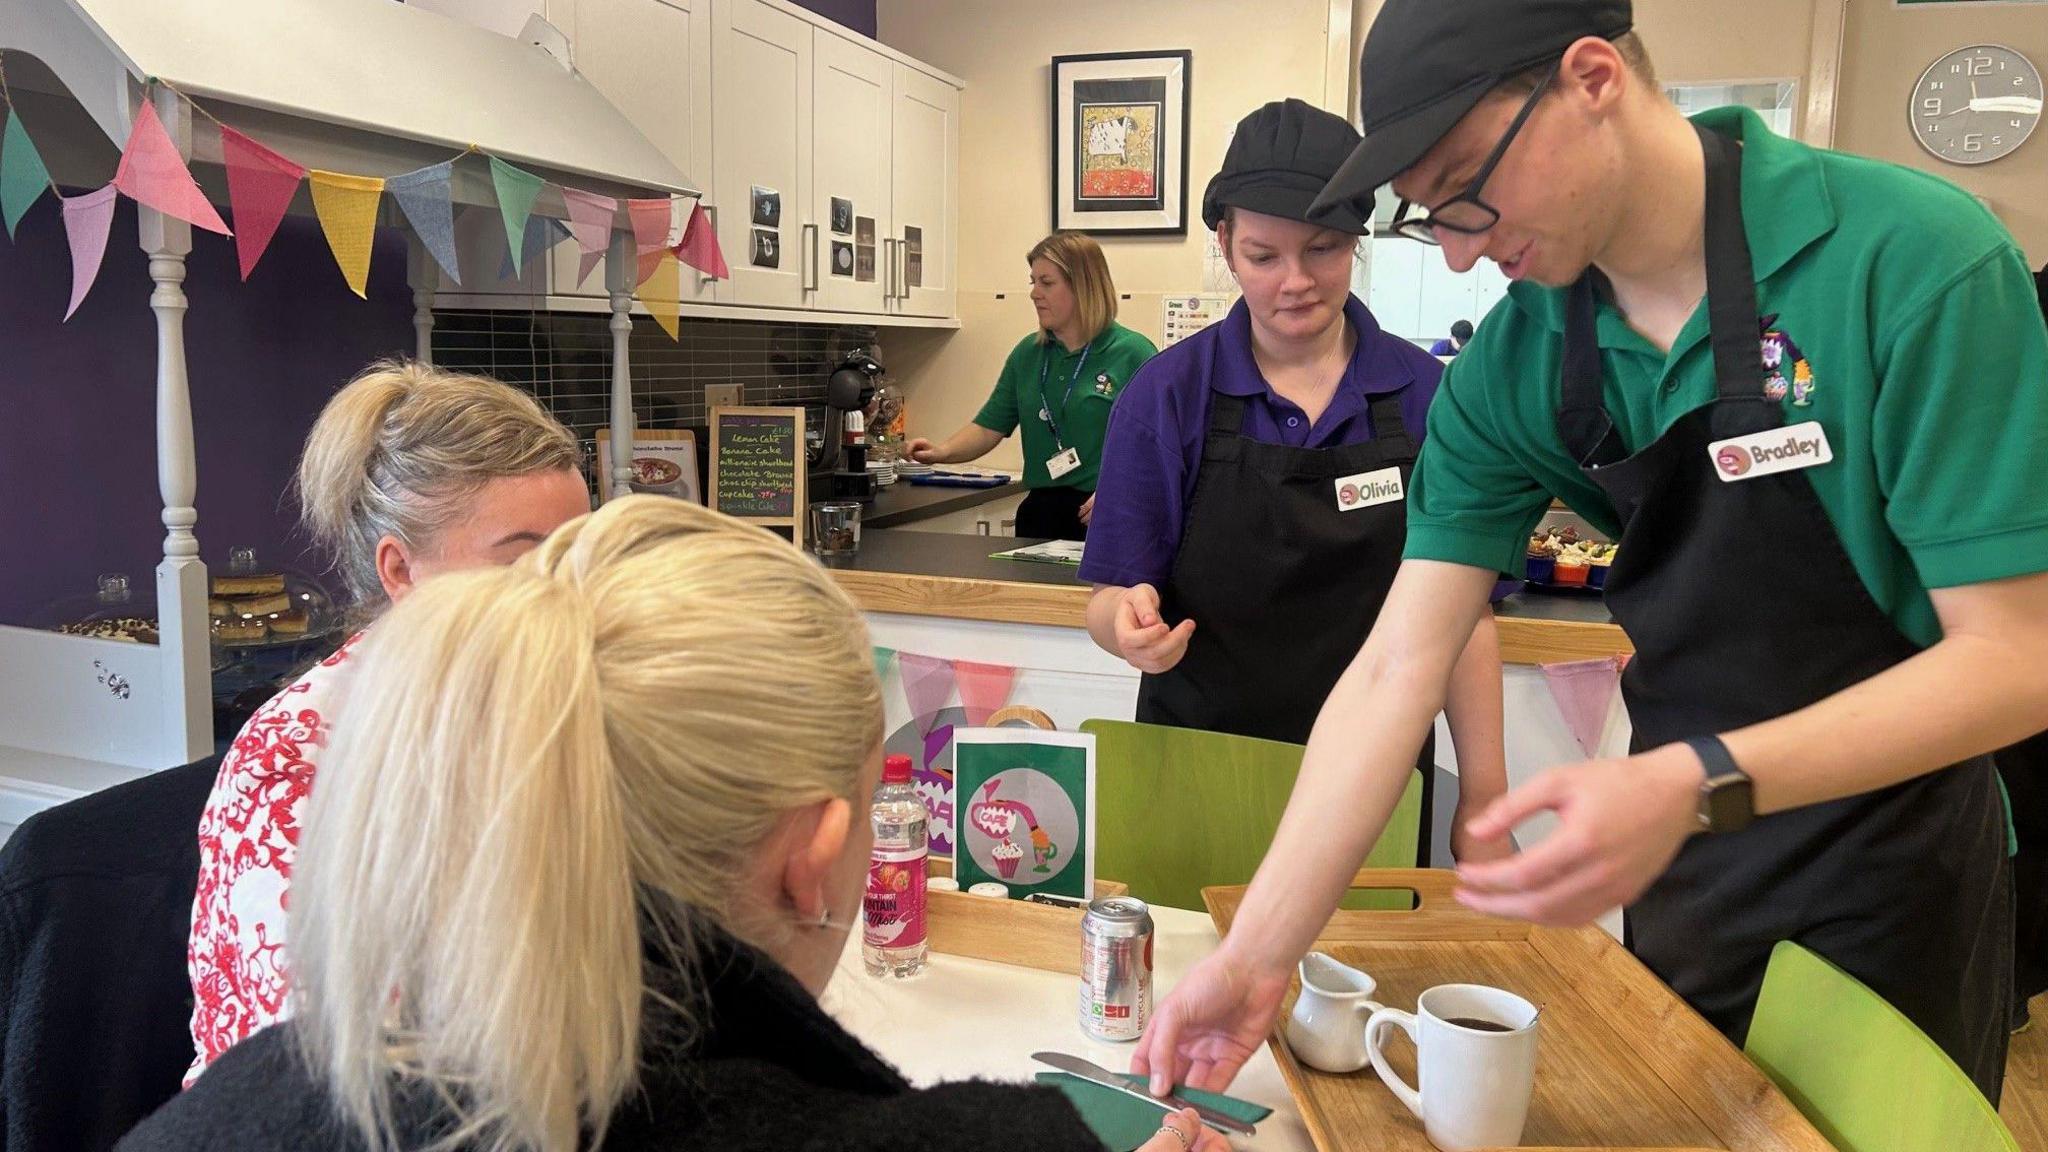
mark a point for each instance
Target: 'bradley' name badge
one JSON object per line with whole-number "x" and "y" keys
{"x": 1063, "y": 463}
{"x": 1766, "y": 453}
{"x": 1369, "y": 488}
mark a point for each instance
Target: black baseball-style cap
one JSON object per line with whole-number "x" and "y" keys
{"x": 1280, "y": 158}
{"x": 1428, "y": 62}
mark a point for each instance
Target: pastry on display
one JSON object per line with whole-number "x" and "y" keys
{"x": 290, "y": 624}
{"x": 1560, "y": 557}
{"x": 134, "y": 629}
{"x": 241, "y": 630}
{"x": 249, "y": 584}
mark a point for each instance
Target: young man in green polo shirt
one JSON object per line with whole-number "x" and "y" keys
{"x": 1808, "y": 395}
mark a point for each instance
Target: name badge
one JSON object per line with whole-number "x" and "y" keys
{"x": 1063, "y": 463}
{"x": 1369, "y": 488}
{"x": 1767, "y": 453}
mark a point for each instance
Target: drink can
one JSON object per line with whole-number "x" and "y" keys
{"x": 1116, "y": 968}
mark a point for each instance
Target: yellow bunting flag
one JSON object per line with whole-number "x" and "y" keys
{"x": 347, "y": 207}
{"x": 661, "y": 292}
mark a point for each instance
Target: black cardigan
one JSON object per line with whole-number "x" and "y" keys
{"x": 774, "y": 1073}
{"x": 95, "y": 1005}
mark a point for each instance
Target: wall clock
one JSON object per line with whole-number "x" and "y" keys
{"x": 1976, "y": 104}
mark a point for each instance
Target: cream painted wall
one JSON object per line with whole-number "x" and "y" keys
{"x": 1886, "y": 50}
{"x": 1244, "y": 55}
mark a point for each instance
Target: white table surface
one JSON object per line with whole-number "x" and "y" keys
{"x": 963, "y": 1018}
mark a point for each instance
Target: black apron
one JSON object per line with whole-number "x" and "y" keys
{"x": 1743, "y": 607}
{"x": 1052, "y": 513}
{"x": 2025, "y": 769}
{"x": 1281, "y": 584}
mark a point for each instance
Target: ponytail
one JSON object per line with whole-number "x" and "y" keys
{"x": 465, "y": 907}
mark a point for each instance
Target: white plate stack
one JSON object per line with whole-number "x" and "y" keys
{"x": 908, "y": 468}
{"x": 883, "y": 472}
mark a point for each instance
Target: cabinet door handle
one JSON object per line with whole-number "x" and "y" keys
{"x": 811, "y": 230}
{"x": 888, "y": 268}
{"x": 903, "y": 273}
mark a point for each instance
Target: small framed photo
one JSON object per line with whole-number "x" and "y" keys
{"x": 1120, "y": 142}
{"x": 842, "y": 258}
{"x": 842, "y": 217}
{"x": 767, "y": 207}
{"x": 767, "y": 248}
{"x": 864, "y": 263}
{"x": 864, "y": 231}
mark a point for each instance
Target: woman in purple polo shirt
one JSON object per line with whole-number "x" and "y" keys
{"x": 1250, "y": 511}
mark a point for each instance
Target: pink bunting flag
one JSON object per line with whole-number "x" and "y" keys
{"x": 650, "y": 233}
{"x": 261, "y": 185}
{"x": 87, "y": 220}
{"x": 590, "y": 223}
{"x": 699, "y": 248}
{"x": 927, "y": 685}
{"x": 984, "y": 689}
{"x": 1584, "y": 690}
{"x": 152, "y": 173}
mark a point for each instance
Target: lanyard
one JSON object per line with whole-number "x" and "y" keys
{"x": 1045, "y": 401}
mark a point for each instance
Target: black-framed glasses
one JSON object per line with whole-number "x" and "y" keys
{"x": 1466, "y": 213}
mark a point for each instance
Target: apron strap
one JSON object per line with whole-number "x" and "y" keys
{"x": 1583, "y": 422}
{"x": 1226, "y": 414}
{"x": 1731, "y": 277}
{"x": 1388, "y": 427}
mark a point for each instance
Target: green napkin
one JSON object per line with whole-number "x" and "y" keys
{"x": 1124, "y": 1123}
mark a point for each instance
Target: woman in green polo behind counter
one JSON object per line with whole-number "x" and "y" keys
{"x": 1058, "y": 386}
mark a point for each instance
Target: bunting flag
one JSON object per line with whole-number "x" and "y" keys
{"x": 662, "y": 293}
{"x": 541, "y": 232}
{"x": 261, "y": 185}
{"x": 1584, "y": 690}
{"x": 650, "y": 233}
{"x": 883, "y": 658}
{"x": 347, "y": 207}
{"x": 699, "y": 248}
{"x": 153, "y": 174}
{"x": 927, "y": 685}
{"x": 984, "y": 689}
{"x": 423, "y": 195}
{"x": 517, "y": 190}
{"x": 23, "y": 179}
{"x": 590, "y": 222}
{"x": 87, "y": 219}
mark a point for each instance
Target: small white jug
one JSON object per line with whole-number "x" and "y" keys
{"x": 1327, "y": 1028}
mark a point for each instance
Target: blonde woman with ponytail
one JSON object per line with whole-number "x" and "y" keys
{"x": 599, "y": 843}
{"x": 410, "y": 471}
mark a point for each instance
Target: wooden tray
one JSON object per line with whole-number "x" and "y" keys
{"x": 1623, "y": 1063}
{"x": 1043, "y": 936}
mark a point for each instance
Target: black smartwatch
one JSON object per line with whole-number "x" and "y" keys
{"x": 1727, "y": 798}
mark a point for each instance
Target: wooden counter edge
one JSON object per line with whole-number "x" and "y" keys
{"x": 1522, "y": 641}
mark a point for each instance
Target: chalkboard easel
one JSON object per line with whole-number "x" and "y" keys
{"x": 758, "y": 466}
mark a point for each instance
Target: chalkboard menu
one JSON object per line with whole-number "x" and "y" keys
{"x": 758, "y": 465}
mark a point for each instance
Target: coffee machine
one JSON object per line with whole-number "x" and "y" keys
{"x": 848, "y": 391}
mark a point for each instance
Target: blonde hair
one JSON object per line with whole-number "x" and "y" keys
{"x": 538, "y": 761}
{"x": 400, "y": 449}
{"x": 1079, "y": 258}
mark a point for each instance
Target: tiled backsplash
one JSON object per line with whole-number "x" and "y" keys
{"x": 565, "y": 359}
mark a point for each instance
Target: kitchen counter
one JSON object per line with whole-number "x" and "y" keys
{"x": 904, "y": 503}
{"x": 952, "y": 576}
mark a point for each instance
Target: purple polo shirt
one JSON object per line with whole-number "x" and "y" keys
{"x": 1154, "y": 445}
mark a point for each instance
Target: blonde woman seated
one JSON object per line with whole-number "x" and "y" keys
{"x": 598, "y": 844}
{"x": 410, "y": 471}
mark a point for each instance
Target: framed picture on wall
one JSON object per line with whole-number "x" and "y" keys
{"x": 1120, "y": 142}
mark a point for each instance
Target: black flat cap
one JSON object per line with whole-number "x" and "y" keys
{"x": 1280, "y": 158}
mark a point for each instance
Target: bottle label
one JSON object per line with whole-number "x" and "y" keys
{"x": 893, "y": 907}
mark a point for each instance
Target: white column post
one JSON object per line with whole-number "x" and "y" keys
{"x": 422, "y": 273}
{"x": 181, "y": 578}
{"x": 620, "y": 267}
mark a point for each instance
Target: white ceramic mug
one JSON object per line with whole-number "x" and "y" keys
{"x": 1327, "y": 1027}
{"x": 1472, "y": 1084}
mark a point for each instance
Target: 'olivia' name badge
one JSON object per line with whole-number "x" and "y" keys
{"x": 1765, "y": 453}
{"x": 1369, "y": 488}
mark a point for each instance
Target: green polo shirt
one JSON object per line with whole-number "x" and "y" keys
{"x": 1912, "y": 334}
{"x": 1113, "y": 357}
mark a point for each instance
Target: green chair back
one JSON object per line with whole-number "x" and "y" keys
{"x": 1866, "y": 1076}
{"x": 1178, "y": 810}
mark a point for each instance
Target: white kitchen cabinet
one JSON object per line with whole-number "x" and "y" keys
{"x": 925, "y": 179}
{"x": 653, "y": 60}
{"x": 850, "y": 162}
{"x": 762, "y": 115}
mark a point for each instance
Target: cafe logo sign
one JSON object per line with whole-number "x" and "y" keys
{"x": 1369, "y": 488}
{"x": 1768, "y": 453}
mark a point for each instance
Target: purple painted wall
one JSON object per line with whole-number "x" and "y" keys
{"x": 858, "y": 15}
{"x": 78, "y": 493}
